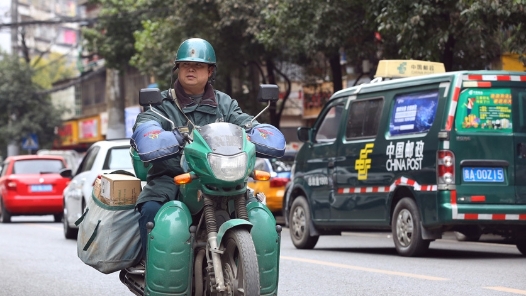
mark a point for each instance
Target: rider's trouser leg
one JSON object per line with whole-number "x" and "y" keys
{"x": 148, "y": 211}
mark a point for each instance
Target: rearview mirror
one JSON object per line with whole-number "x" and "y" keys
{"x": 150, "y": 96}
{"x": 303, "y": 134}
{"x": 66, "y": 173}
{"x": 268, "y": 92}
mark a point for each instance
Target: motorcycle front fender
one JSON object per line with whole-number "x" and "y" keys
{"x": 169, "y": 264}
{"x": 229, "y": 225}
{"x": 267, "y": 240}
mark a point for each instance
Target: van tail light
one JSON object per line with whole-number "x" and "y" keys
{"x": 445, "y": 167}
{"x": 278, "y": 182}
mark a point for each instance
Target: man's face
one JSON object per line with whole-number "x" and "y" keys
{"x": 194, "y": 76}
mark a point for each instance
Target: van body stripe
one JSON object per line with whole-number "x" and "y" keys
{"x": 455, "y": 215}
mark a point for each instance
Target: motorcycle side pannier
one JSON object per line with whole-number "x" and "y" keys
{"x": 108, "y": 238}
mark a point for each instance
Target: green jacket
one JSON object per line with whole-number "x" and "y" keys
{"x": 217, "y": 107}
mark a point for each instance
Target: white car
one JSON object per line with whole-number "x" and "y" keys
{"x": 101, "y": 158}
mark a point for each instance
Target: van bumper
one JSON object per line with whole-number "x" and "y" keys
{"x": 452, "y": 213}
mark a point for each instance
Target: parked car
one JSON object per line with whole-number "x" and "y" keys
{"x": 275, "y": 188}
{"x": 71, "y": 157}
{"x": 32, "y": 185}
{"x": 101, "y": 158}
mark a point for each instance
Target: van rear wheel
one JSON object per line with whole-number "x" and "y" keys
{"x": 299, "y": 222}
{"x": 406, "y": 230}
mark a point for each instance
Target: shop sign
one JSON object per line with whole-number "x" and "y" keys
{"x": 68, "y": 133}
{"x": 89, "y": 130}
{"x": 315, "y": 97}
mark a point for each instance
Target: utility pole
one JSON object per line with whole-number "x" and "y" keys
{"x": 115, "y": 97}
{"x": 14, "y": 29}
{"x": 12, "y": 147}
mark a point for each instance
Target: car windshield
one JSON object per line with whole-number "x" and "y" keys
{"x": 118, "y": 158}
{"x": 37, "y": 166}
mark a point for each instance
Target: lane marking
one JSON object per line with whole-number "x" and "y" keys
{"x": 44, "y": 226}
{"x": 389, "y": 272}
{"x": 509, "y": 290}
{"x": 444, "y": 239}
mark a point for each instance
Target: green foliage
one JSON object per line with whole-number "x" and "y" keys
{"x": 50, "y": 70}
{"x": 227, "y": 25}
{"x": 305, "y": 28}
{"x": 112, "y": 36}
{"x": 464, "y": 34}
{"x": 22, "y": 110}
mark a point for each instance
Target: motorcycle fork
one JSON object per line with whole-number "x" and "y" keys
{"x": 212, "y": 228}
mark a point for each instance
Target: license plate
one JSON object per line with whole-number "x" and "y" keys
{"x": 41, "y": 188}
{"x": 479, "y": 174}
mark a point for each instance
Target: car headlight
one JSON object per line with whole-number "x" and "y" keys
{"x": 228, "y": 168}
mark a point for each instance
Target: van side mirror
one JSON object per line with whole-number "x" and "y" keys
{"x": 150, "y": 96}
{"x": 268, "y": 92}
{"x": 303, "y": 134}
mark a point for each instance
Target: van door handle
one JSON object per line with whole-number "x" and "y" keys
{"x": 521, "y": 150}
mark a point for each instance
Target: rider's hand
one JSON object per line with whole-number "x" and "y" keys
{"x": 153, "y": 143}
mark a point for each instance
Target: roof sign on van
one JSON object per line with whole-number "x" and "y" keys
{"x": 407, "y": 68}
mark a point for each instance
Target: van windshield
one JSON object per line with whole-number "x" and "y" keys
{"x": 485, "y": 110}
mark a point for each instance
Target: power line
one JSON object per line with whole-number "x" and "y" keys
{"x": 157, "y": 12}
{"x": 50, "y": 22}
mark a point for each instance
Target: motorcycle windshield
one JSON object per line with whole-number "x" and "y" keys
{"x": 223, "y": 138}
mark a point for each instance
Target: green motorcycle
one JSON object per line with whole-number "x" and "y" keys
{"x": 217, "y": 238}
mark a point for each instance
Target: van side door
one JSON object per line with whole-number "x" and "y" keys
{"x": 319, "y": 159}
{"x": 353, "y": 168}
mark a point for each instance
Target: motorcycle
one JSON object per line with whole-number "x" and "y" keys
{"x": 217, "y": 238}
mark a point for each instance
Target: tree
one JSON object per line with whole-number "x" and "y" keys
{"x": 22, "y": 111}
{"x": 307, "y": 28}
{"x": 466, "y": 34}
{"x": 230, "y": 26}
{"x": 112, "y": 38}
{"x": 50, "y": 70}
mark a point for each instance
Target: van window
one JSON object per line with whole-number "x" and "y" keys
{"x": 413, "y": 113}
{"x": 364, "y": 116}
{"x": 484, "y": 110}
{"x": 329, "y": 126}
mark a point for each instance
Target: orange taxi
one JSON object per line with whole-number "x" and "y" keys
{"x": 274, "y": 189}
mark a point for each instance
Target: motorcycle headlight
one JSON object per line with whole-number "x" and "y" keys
{"x": 228, "y": 168}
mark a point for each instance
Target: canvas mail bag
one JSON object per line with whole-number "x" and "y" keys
{"x": 108, "y": 238}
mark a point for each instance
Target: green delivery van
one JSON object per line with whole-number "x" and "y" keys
{"x": 417, "y": 151}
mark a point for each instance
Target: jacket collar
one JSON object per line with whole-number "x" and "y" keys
{"x": 184, "y": 100}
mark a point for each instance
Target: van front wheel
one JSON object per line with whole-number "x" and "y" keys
{"x": 406, "y": 231}
{"x": 299, "y": 222}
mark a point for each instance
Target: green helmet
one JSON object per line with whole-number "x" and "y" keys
{"x": 196, "y": 50}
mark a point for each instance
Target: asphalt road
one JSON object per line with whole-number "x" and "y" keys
{"x": 35, "y": 259}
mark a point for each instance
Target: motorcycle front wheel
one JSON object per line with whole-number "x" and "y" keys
{"x": 240, "y": 263}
